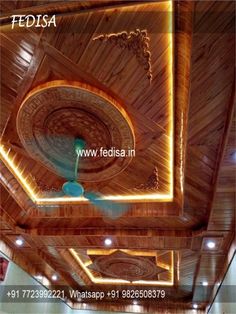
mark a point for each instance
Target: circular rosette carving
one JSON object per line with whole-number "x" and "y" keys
{"x": 55, "y": 113}
{"x": 124, "y": 266}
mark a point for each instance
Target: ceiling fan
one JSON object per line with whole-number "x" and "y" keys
{"x": 73, "y": 188}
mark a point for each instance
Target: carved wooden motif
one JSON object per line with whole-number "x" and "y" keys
{"x": 137, "y": 42}
{"x": 53, "y": 115}
{"x": 152, "y": 183}
{"x": 125, "y": 266}
{"x": 204, "y": 181}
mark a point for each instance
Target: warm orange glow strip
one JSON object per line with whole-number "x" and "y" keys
{"x": 26, "y": 186}
{"x": 121, "y": 281}
{"x": 43, "y": 200}
{"x": 166, "y": 197}
{"x": 16, "y": 172}
{"x": 171, "y": 88}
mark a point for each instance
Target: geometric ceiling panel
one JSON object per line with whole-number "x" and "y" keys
{"x": 154, "y": 79}
{"x": 126, "y": 266}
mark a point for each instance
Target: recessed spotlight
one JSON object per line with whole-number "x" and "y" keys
{"x": 39, "y": 277}
{"x": 205, "y": 283}
{"x": 195, "y": 306}
{"x": 19, "y": 242}
{"x": 54, "y": 277}
{"x": 108, "y": 241}
{"x": 135, "y": 302}
{"x": 234, "y": 156}
{"x": 211, "y": 245}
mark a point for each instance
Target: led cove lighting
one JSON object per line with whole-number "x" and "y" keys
{"x": 122, "y": 281}
{"x": 165, "y": 197}
{"x": 9, "y": 162}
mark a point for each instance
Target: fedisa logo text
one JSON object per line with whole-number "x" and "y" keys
{"x": 30, "y": 20}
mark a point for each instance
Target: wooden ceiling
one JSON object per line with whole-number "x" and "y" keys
{"x": 204, "y": 150}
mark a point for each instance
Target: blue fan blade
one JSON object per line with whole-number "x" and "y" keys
{"x": 112, "y": 209}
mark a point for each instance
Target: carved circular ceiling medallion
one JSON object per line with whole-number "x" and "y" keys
{"x": 129, "y": 268}
{"x": 54, "y": 114}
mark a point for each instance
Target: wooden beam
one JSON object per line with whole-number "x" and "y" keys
{"x": 67, "y": 278}
{"x": 121, "y": 232}
{"x": 183, "y": 43}
{"x": 7, "y": 219}
{"x": 222, "y": 147}
{"x": 66, "y": 255}
{"x": 221, "y": 152}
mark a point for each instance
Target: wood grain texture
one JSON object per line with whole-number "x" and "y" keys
{"x": 204, "y": 163}
{"x": 152, "y": 142}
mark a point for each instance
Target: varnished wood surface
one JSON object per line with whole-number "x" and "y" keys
{"x": 31, "y": 58}
{"x": 210, "y": 117}
{"x": 114, "y": 77}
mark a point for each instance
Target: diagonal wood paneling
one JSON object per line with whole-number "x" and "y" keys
{"x": 31, "y": 58}
{"x": 17, "y": 52}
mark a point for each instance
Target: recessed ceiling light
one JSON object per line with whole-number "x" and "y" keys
{"x": 211, "y": 245}
{"x": 19, "y": 242}
{"x": 39, "y": 277}
{"x": 195, "y": 306}
{"x": 234, "y": 156}
{"x": 205, "y": 283}
{"x": 54, "y": 277}
{"x": 108, "y": 241}
{"x": 135, "y": 302}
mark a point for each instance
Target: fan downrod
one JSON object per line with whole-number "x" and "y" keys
{"x": 79, "y": 144}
